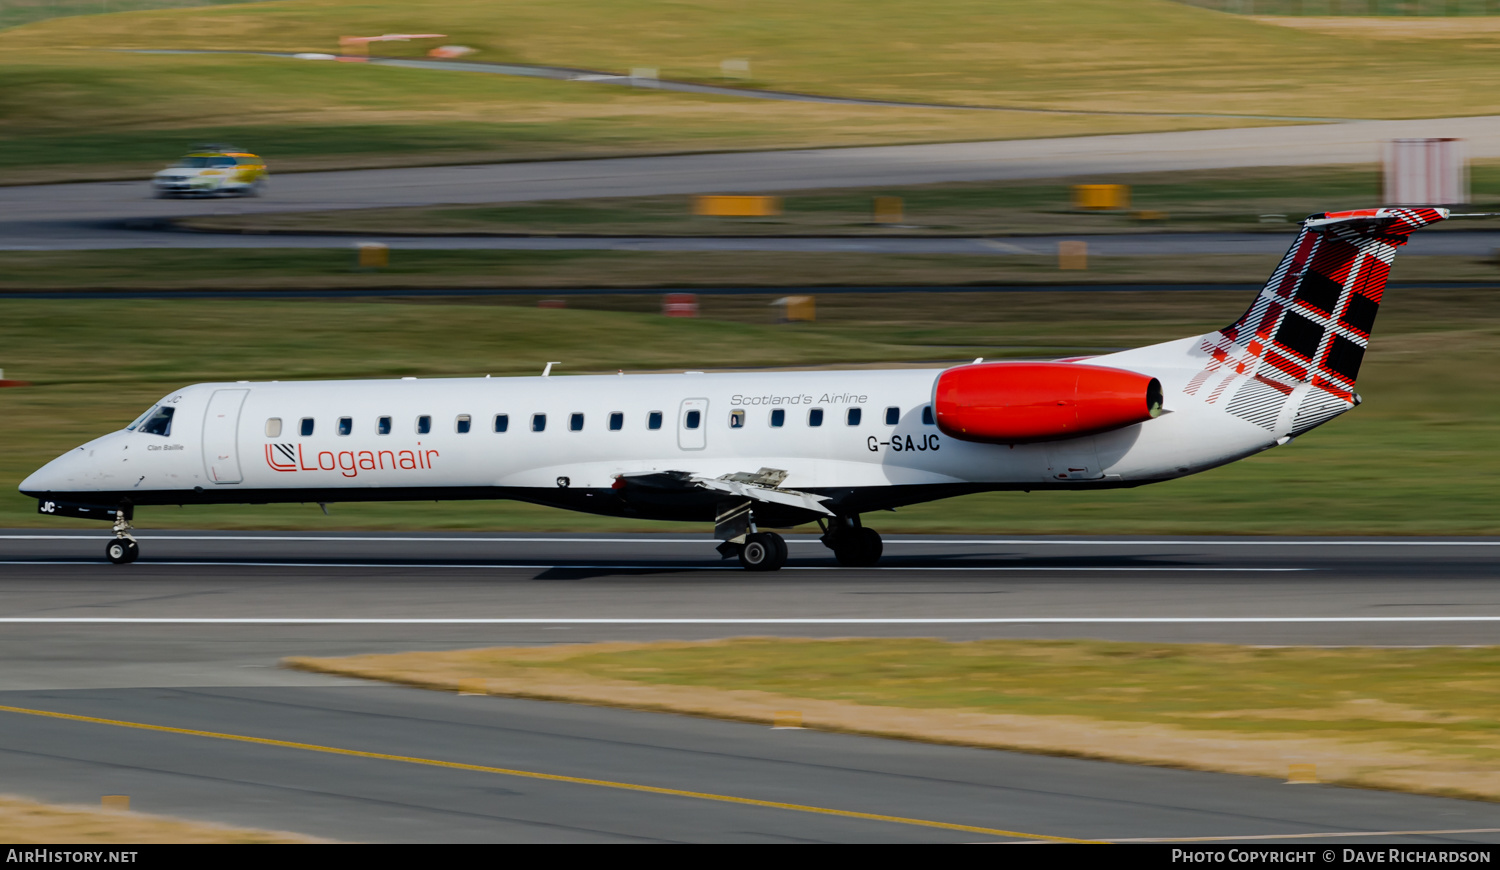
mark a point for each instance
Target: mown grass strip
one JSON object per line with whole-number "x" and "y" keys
{"x": 1410, "y": 719}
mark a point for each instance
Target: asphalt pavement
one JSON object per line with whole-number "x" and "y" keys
{"x": 189, "y": 639}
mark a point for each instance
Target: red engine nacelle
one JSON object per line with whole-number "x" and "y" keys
{"x": 1013, "y": 403}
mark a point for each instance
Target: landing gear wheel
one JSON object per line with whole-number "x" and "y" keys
{"x": 122, "y": 551}
{"x": 860, "y": 549}
{"x": 781, "y": 550}
{"x": 763, "y": 551}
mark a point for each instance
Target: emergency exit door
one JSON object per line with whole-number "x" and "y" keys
{"x": 692, "y": 424}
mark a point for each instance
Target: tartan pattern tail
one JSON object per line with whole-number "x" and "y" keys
{"x": 1308, "y": 329}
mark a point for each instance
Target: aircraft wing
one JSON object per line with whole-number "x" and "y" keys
{"x": 762, "y": 486}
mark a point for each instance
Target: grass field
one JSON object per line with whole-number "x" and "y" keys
{"x": 71, "y": 109}
{"x": 1411, "y": 460}
{"x": 561, "y": 271}
{"x": 1416, "y": 719}
{"x": 17, "y": 12}
{"x": 1226, "y": 200}
{"x": 26, "y": 821}
{"x": 1109, "y": 55}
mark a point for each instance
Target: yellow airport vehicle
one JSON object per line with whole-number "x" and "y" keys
{"x": 212, "y": 171}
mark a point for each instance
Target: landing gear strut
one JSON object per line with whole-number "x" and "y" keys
{"x": 757, "y": 550}
{"x": 853, "y": 545}
{"x": 123, "y": 549}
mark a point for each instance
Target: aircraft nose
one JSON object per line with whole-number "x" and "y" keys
{"x": 52, "y": 477}
{"x": 81, "y": 469}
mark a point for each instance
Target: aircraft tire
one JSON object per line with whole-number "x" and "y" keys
{"x": 761, "y": 553}
{"x": 781, "y": 550}
{"x": 862, "y": 550}
{"x": 122, "y": 551}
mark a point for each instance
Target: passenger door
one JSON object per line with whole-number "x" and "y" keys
{"x": 221, "y": 424}
{"x": 692, "y": 424}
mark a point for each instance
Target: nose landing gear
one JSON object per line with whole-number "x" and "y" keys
{"x": 124, "y": 548}
{"x": 122, "y": 551}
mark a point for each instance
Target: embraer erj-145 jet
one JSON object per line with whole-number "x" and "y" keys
{"x": 753, "y": 450}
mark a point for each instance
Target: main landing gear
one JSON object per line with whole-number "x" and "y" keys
{"x": 734, "y": 524}
{"x": 763, "y": 551}
{"x": 123, "y": 549}
{"x": 853, "y": 545}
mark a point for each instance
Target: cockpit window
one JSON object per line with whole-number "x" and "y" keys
{"x": 159, "y": 423}
{"x": 141, "y": 419}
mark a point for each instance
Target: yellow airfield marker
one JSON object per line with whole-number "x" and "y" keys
{"x": 1072, "y": 255}
{"x": 1302, "y": 774}
{"x": 786, "y": 719}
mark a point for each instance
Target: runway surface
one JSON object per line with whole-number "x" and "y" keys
{"x": 42, "y": 212}
{"x": 189, "y": 637}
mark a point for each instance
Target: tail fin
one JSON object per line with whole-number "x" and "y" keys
{"x": 1312, "y": 321}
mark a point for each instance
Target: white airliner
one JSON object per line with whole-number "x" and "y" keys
{"x": 752, "y": 450}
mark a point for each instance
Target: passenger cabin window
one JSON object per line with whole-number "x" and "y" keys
{"x": 616, "y": 421}
{"x": 693, "y": 419}
{"x": 307, "y": 427}
{"x": 538, "y": 422}
{"x": 383, "y": 426}
{"x": 461, "y": 425}
{"x": 424, "y": 424}
{"x": 854, "y": 416}
{"x": 736, "y": 419}
{"x": 502, "y": 422}
{"x": 575, "y": 423}
{"x": 653, "y": 421}
{"x": 778, "y": 418}
{"x": 927, "y": 416}
{"x": 815, "y": 417}
{"x": 159, "y": 423}
{"x": 273, "y": 427}
{"x": 346, "y": 425}
{"x": 892, "y": 416}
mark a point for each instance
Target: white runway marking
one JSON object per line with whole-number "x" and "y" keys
{"x": 799, "y": 620}
{"x": 679, "y": 566}
{"x": 1007, "y": 542}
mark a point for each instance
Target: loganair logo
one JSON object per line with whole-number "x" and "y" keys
{"x": 349, "y": 463}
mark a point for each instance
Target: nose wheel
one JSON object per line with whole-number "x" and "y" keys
{"x": 121, "y": 551}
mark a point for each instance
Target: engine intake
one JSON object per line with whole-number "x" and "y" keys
{"x": 1015, "y": 403}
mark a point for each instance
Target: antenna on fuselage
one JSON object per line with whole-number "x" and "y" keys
{"x": 547, "y": 372}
